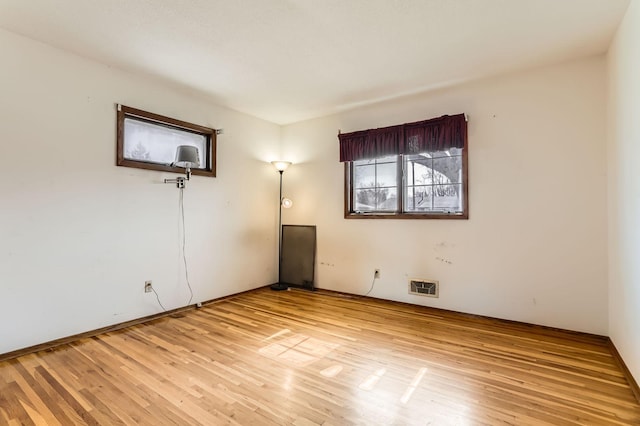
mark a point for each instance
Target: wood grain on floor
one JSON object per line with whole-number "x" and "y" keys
{"x": 303, "y": 358}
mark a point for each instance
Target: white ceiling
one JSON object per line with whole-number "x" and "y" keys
{"x": 289, "y": 60}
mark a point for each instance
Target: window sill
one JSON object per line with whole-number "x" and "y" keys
{"x": 351, "y": 215}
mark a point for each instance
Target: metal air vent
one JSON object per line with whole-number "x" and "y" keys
{"x": 424, "y": 288}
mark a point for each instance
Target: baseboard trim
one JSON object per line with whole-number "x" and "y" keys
{"x": 50, "y": 345}
{"x": 625, "y": 370}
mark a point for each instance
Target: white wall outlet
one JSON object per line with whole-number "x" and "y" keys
{"x": 147, "y": 287}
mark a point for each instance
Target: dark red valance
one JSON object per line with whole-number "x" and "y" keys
{"x": 437, "y": 134}
{"x": 370, "y": 143}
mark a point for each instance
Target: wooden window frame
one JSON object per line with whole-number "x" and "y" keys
{"x": 160, "y": 120}
{"x": 349, "y": 213}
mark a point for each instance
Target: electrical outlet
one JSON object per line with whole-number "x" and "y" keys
{"x": 147, "y": 287}
{"x": 376, "y": 274}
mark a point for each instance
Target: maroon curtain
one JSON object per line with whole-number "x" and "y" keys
{"x": 437, "y": 134}
{"x": 372, "y": 143}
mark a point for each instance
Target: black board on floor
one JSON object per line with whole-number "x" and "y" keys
{"x": 297, "y": 263}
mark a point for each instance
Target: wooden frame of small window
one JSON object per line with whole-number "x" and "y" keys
{"x": 208, "y": 168}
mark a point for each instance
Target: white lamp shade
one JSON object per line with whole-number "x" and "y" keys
{"x": 187, "y": 157}
{"x": 287, "y": 203}
{"x": 281, "y": 166}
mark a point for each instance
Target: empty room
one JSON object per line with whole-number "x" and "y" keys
{"x": 299, "y": 212}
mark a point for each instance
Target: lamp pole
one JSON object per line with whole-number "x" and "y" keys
{"x": 280, "y": 226}
{"x": 280, "y": 166}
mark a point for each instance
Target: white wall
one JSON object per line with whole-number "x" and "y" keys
{"x": 624, "y": 189}
{"x": 535, "y": 246}
{"x": 79, "y": 236}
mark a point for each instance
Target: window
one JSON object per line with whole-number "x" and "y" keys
{"x": 424, "y": 178}
{"x": 149, "y": 141}
{"x": 375, "y": 184}
{"x": 433, "y": 182}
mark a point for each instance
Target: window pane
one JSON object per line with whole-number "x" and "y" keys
{"x": 376, "y": 199}
{"x": 156, "y": 143}
{"x": 447, "y": 170}
{"x": 418, "y": 199}
{"x": 418, "y": 169}
{"x": 447, "y": 197}
{"x": 387, "y": 199}
{"x": 365, "y": 176}
{"x": 386, "y": 174}
{"x": 433, "y": 182}
{"x": 375, "y": 185}
{"x": 365, "y": 200}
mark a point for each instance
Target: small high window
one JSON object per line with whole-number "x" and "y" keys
{"x": 149, "y": 141}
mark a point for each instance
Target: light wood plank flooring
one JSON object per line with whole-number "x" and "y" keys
{"x": 301, "y": 358}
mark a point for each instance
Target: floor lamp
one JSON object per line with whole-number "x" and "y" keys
{"x": 281, "y": 166}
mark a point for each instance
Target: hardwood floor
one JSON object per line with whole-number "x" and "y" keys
{"x": 301, "y": 358}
